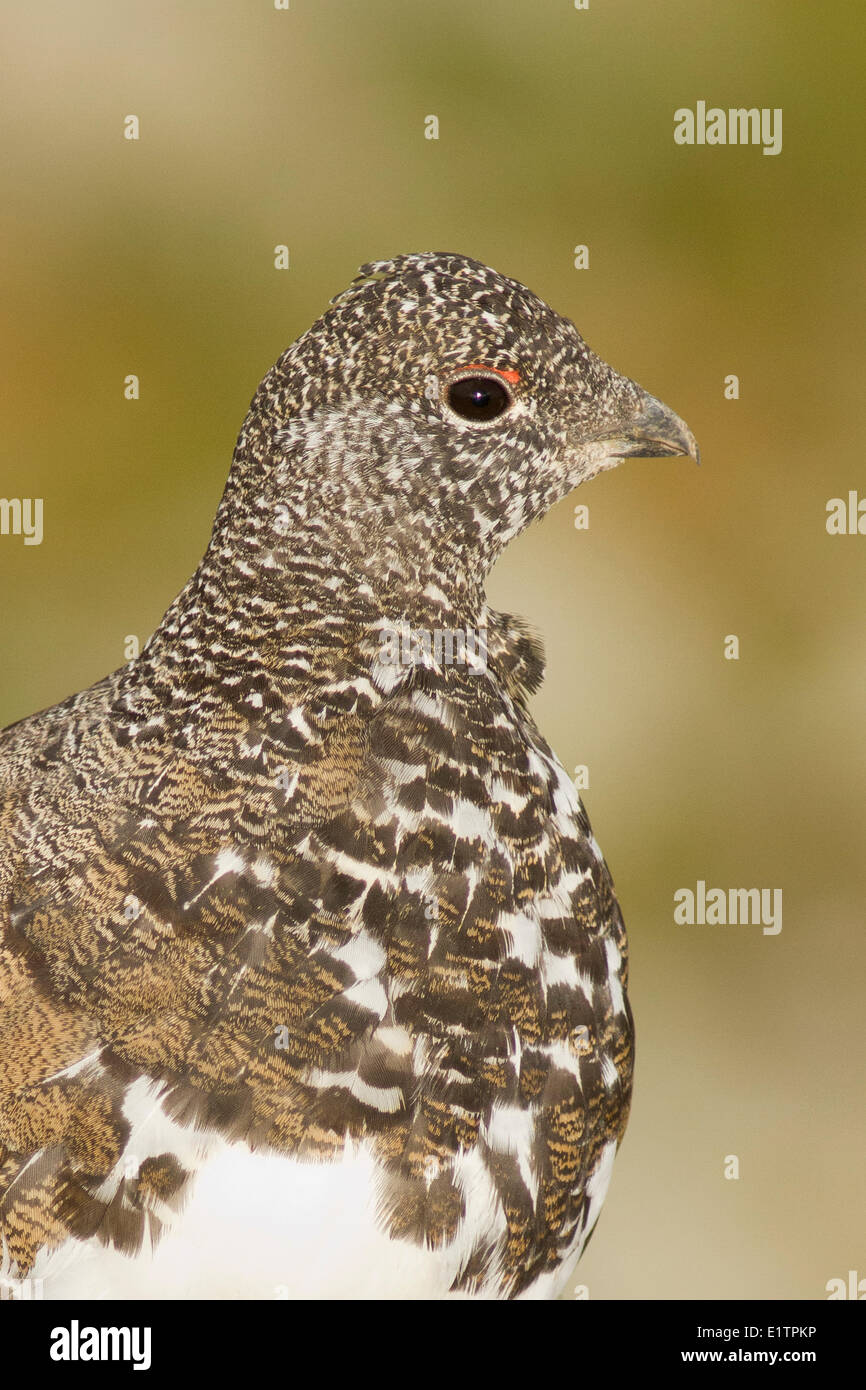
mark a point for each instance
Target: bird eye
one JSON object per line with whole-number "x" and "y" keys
{"x": 478, "y": 398}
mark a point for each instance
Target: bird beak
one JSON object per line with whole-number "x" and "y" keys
{"x": 654, "y": 431}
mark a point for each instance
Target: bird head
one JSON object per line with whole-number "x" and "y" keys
{"x": 434, "y": 411}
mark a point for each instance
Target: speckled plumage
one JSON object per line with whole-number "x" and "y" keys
{"x": 282, "y": 895}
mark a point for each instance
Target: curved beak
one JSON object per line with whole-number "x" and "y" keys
{"x": 654, "y": 431}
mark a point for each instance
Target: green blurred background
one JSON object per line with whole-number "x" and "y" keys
{"x": 306, "y": 127}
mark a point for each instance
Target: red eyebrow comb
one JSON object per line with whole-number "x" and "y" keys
{"x": 510, "y": 376}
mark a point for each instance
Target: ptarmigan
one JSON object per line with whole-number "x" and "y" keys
{"x": 312, "y": 977}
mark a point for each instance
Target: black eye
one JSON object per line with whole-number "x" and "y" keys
{"x": 478, "y": 397}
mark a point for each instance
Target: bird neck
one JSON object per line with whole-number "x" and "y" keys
{"x": 249, "y": 608}
{"x": 307, "y": 549}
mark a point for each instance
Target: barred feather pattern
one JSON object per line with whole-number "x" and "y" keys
{"x": 387, "y": 918}
{"x": 313, "y": 899}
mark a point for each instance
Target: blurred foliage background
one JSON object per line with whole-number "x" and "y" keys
{"x": 306, "y": 127}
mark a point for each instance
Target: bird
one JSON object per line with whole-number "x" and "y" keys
{"x": 313, "y": 978}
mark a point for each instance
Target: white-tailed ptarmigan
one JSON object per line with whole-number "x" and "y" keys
{"x": 312, "y": 976}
